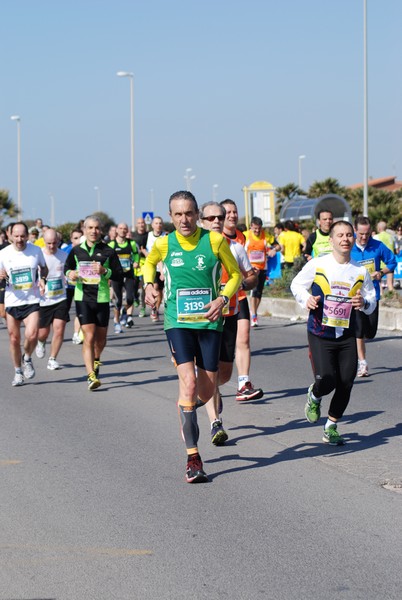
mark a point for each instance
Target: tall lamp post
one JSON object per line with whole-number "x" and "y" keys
{"x": 52, "y": 215}
{"x": 365, "y": 115}
{"x": 215, "y": 192}
{"x": 97, "y": 190}
{"x": 17, "y": 118}
{"x": 131, "y": 77}
{"x": 301, "y": 157}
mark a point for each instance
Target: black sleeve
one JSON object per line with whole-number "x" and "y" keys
{"x": 70, "y": 264}
{"x": 115, "y": 265}
{"x": 309, "y": 244}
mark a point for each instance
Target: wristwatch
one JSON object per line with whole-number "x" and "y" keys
{"x": 147, "y": 283}
{"x": 225, "y": 299}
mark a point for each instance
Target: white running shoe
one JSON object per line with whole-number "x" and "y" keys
{"x": 40, "y": 349}
{"x": 362, "y": 369}
{"x": 18, "y": 379}
{"x": 52, "y": 364}
{"x": 117, "y": 328}
{"x": 28, "y": 368}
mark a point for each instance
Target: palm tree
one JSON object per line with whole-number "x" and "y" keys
{"x": 7, "y": 206}
{"x": 327, "y": 186}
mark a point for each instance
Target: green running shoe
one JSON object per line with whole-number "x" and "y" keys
{"x": 332, "y": 437}
{"x": 312, "y": 409}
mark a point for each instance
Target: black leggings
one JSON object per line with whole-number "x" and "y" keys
{"x": 118, "y": 290}
{"x": 334, "y": 365}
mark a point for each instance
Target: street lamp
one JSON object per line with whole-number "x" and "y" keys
{"x": 301, "y": 157}
{"x": 131, "y": 77}
{"x": 18, "y": 120}
{"x": 215, "y": 192}
{"x": 97, "y": 190}
{"x": 189, "y": 178}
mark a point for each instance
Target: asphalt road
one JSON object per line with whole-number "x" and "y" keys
{"x": 94, "y": 504}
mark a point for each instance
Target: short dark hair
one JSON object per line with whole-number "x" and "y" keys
{"x": 256, "y": 221}
{"x": 20, "y": 223}
{"x": 322, "y": 210}
{"x": 228, "y": 201}
{"x": 290, "y": 225}
{"x": 331, "y": 229}
{"x": 184, "y": 195}
{"x": 360, "y": 220}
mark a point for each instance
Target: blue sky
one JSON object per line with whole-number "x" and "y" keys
{"x": 234, "y": 90}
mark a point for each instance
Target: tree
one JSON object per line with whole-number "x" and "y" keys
{"x": 382, "y": 204}
{"x": 287, "y": 192}
{"x": 7, "y": 206}
{"x": 327, "y": 186}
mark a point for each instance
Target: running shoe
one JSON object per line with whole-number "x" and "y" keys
{"x": 218, "y": 434}
{"x": 332, "y": 437}
{"x": 254, "y": 321}
{"x": 154, "y": 315}
{"x": 136, "y": 303}
{"x": 93, "y": 382}
{"x": 40, "y": 349}
{"x": 117, "y": 328}
{"x": 76, "y": 338}
{"x": 18, "y": 379}
{"x": 97, "y": 364}
{"x": 130, "y": 322}
{"x": 312, "y": 408}
{"x": 52, "y": 364}
{"x": 142, "y": 312}
{"x": 123, "y": 318}
{"x": 248, "y": 392}
{"x": 28, "y": 368}
{"x": 362, "y": 369}
{"x": 194, "y": 471}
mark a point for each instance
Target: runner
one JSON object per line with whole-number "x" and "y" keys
{"x": 340, "y": 288}
{"x": 245, "y": 389}
{"x": 53, "y": 303}
{"x": 371, "y": 254}
{"x": 318, "y": 242}
{"x": 24, "y": 270}
{"x": 127, "y": 252}
{"x": 192, "y": 260}
{"x": 212, "y": 217}
{"x": 157, "y": 231}
{"x": 91, "y": 265}
{"x": 140, "y": 236}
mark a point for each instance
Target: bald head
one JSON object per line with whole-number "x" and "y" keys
{"x": 51, "y": 241}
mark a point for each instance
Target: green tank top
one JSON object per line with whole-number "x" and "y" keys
{"x": 192, "y": 279}
{"x": 321, "y": 245}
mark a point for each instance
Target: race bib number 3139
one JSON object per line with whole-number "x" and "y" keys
{"x": 191, "y": 304}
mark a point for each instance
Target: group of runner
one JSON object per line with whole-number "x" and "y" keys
{"x": 205, "y": 271}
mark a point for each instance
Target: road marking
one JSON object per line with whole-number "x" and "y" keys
{"x": 4, "y": 463}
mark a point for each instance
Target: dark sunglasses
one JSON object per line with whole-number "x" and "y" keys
{"x": 213, "y": 217}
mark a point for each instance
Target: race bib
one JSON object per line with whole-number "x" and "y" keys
{"x": 87, "y": 274}
{"x": 337, "y": 311}
{"x": 21, "y": 279}
{"x": 257, "y": 256}
{"x": 55, "y": 287}
{"x": 369, "y": 263}
{"x": 191, "y": 304}
{"x": 125, "y": 262}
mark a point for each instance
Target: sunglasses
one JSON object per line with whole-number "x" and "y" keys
{"x": 213, "y": 217}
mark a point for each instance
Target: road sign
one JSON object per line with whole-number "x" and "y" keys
{"x": 148, "y": 216}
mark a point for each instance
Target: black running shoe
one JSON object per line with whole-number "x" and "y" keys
{"x": 194, "y": 471}
{"x": 249, "y": 392}
{"x": 218, "y": 434}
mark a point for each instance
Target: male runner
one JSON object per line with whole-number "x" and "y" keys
{"x": 192, "y": 259}
{"x": 258, "y": 250}
{"x": 245, "y": 389}
{"x": 340, "y": 288}
{"x": 212, "y": 217}
{"x": 157, "y": 231}
{"x": 318, "y": 242}
{"x": 140, "y": 236}
{"x": 53, "y": 303}
{"x": 370, "y": 253}
{"x": 91, "y": 265}
{"x": 24, "y": 270}
{"x": 127, "y": 252}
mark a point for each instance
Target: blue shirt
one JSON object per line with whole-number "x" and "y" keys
{"x": 371, "y": 256}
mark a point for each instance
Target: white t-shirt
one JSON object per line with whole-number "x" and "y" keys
{"x": 56, "y": 282}
{"x": 22, "y": 274}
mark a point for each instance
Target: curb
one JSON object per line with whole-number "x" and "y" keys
{"x": 286, "y": 308}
